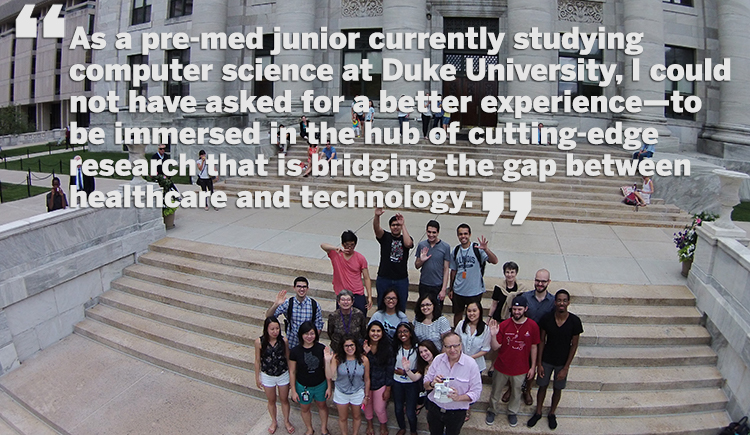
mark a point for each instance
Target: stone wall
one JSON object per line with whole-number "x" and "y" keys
{"x": 720, "y": 279}
{"x": 33, "y": 138}
{"x": 57, "y": 264}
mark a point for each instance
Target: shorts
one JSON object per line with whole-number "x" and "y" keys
{"x": 317, "y": 393}
{"x": 355, "y": 398}
{"x": 274, "y": 381}
{"x": 446, "y": 121}
{"x": 460, "y": 302}
{"x": 548, "y": 371}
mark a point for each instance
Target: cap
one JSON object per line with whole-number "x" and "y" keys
{"x": 519, "y": 302}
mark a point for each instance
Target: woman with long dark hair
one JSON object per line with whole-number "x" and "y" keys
{"x": 388, "y": 314}
{"x": 272, "y": 370}
{"x": 427, "y": 353}
{"x": 378, "y": 349}
{"x": 475, "y": 337}
{"x": 406, "y": 385}
{"x": 351, "y": 371}
{"x": 307, "y": 371}
{"x": 429, "y": 323}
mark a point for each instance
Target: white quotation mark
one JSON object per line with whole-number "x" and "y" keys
{"x": 494, "y": 204}
{"x": 54, "y": 25}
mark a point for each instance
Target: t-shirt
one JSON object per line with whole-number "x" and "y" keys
{"x": 389, "y": 321}
{"x": 513, "y": 358}
{"x": 471, "y": 343}
{"x": 433, "y": 332}
{"x": 411, "y": 355}
{"x": 393, "y": 257}
{"x": 432, "y": 269}
{"x": 347, "y": 274}
{"x": 311, "y": 370}
{"x": 558, "y": 340}
{"x": 329, "y": 152}
{"x": 500, "y": 294}
{"x": 466, "y": 261}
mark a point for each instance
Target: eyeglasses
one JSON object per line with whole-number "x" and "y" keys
{"x": 426, "y": 305}
{"x": 300, "y": 286}
{"x": 404, "y": 332}
{"x": 392, "y": 298}
{"x": 451, "y": 346}
{"x": 349, "y": 345}
{"x": 541, "y": 280}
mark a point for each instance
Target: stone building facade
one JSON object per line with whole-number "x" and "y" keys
{"x": 676, "y": 31}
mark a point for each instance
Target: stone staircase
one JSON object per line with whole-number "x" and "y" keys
{"x": 562, "y": 199}
{"x": 644, "y": 365}
{"x": 17, "y": 419}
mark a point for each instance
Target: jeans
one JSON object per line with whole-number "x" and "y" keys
{"x": 402, "y": 290}
{"x": 406, "y": 394}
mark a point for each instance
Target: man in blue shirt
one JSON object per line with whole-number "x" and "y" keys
{"x": 304, "y": 308}
{"x": 330, "y": 152}
{"x": 539, "y": 300}
{"x": 646, "y": 151}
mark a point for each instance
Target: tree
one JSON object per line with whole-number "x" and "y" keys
{"x": 14, "y": 121}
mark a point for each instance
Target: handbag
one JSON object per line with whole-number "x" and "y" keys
{"x": 736, "y": 428}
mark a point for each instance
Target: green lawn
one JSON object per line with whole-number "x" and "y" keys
{"x": 14, "y": 192}
{"x": 35, "y": 149}
{"x": 741, "y": 212}
{"x": 60, "y": 163}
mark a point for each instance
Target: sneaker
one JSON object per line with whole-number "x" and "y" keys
{"x": 490, "y": 418}
{"x": 552, "y": 421}
{"x": 534, "y": 420}
{"x": 513, "y": 420}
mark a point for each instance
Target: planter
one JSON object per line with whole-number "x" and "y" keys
{"x": 169, "y": 221}
{"x": 686, "y": 265}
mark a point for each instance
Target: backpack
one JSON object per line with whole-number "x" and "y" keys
{"x": 737, "y": 428}
{"x": 477, "y": 254}
{"x": 290, "y": 309}
{"x": 630, "y": 199}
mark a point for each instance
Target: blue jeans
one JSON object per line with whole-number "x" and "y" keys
{"x": 402, "y": 290}
{"x": 406, "y": 394}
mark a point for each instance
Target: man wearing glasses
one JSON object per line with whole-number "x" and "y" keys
{"x": 296, "y": 310}
{"x": 454, "y": 383}
{"x": 539, "y": 300}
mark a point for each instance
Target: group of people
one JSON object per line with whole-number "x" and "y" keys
{"x": 56, "y": 198}
{"x": 428, "y": 361}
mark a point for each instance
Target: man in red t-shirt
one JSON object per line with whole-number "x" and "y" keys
{"x": 516, "y": 340}
{"x": 350, "y": 270}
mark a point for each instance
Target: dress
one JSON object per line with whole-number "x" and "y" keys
{"x": 433, "y": 332}
{"x": 648, "y": 189}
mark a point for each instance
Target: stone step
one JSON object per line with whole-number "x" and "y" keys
{"x": 598, "y": 334}
{"x": 661, "y": 356}
{"x": 191, "y": 254}
{"x": 579, "y": 403}
{"x": 626, "y": 314}
{"x": 704, "y": 423}
{"x": 16, "y": 419}
{"x": 240, "y": 355}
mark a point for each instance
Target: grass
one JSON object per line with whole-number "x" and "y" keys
{"x": 14, "y": 192}
{"x": 60, "y": 163}
{"x": 741, "y": 212}
{"x": 33, "y": 149}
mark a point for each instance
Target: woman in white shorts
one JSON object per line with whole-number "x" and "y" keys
{"x": 351, "y": 371}
{"x": 272, "y": 370}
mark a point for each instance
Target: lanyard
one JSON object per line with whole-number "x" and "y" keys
{"x": 348, "y": 325}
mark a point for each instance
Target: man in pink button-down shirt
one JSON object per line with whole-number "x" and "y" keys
{"x": 446, "y": 414}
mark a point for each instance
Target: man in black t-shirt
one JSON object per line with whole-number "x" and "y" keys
{"x": 559, "y": 333}
{"x": 394, "y": 256}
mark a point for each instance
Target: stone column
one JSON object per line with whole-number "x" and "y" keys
{"x": 647, "y": 17}
{"x": 208, "y": 16}
{"x": 405, "y": 16}
{"x": 522, "y": 16}
{"x": 734, "y": 117}
{"x": 295, "y": 16}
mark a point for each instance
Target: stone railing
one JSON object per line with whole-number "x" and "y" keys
{"x": 720, "y": 280}
{"x": 55, "y": 265}
{"x": 35, "y": 137}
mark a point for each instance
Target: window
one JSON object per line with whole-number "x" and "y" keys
{"x": 32, "y": 88}
{"x": 55, "y": 116}
{"x": 12, "y": 91}
{"x": 588, "y": 87}
{"x": 57, "y": 84}
{"x": 179, "y": 8}
{"x": 33, "y": 64}
{"x": 678, "y": 56}
{"x": 58, "y": 58}
{"x": 141, "y": 12}
{"x": 680, "y": 2}
{"x": 137, "y": 59}
{"x": 355, "y": 56}
{"x": 89, "y": 56}
{"x": 175, "y": 88}
{"x": 13, "y": 69}
{"x": 86, "y": 85}
{"x": 264, "y": 87}
{"x": 91, "y": 25}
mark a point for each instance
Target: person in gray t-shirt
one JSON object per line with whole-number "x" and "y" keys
{"x": 433, "y": 261}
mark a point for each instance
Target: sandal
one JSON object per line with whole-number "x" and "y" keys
{"x": 419, "y": 409}
{"x": 290, "y": 428}
{"x": 468, "y": 415}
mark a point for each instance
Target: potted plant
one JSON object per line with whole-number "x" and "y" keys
{"x": 166, "y": 184}
{"x": 686, "y": 240}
